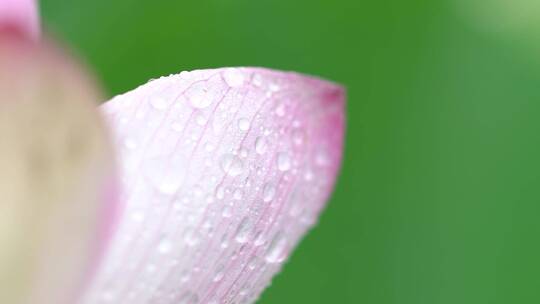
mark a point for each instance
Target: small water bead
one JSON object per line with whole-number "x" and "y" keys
{"x": 177, "y": 127}
{"x": 243, "y": 231}
{"x": 233, "y": 77}
{"x": 257, "y": 80}
{"x": 220, "y": 192}
{"x": 151, "y": 268}
{"x": 159, "y": 103}
{"x": 261, "y": 145}
{"x": 238, "y": 194}
{"x": 232, "y": 165}
{"x": 173, "y": 178}
{"x": 243, "y": 124}
{"x": 322, "y": 159}
{"x": 259, "y": 239}
{"x": 130, "y": 143}
{"x": 137, "y": 216}
{"x": 200, "y": 120}
{"x": 280, "y": 110}
{"x": 219, "y": 273}
{"x": 283, "y": 161}
{"x": 269, "y": 191}
{"x": 197, "y": 95}
{"x": 192, "y": 237}
{"x": 298, "y": 137}
{"x": 227, "y": 211}
{"x": 164, "y": 246}
{"x": 276, "y": 251}
{"x": 243, "y": 152}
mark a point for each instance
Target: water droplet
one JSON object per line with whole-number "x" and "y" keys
{"x": 276, "y": 251}
{"x": 166, "y": 174}
{"x": 201, "y": 120}
{"x": 176, "y": 126}
{"x": 322, "y": 159}
{"x": 130, "y": 143}
{"x": 219, "y": 273}
{"x": 243, "y": 124}
{"x": 191, "y": 237}
{"x": 243, "y": 231}
{"x": 283, "y": 161}
{"x": 308, "y": 176}
{"x": 164, "y": 246}
{"x": 259, "y": 239}
{"x": 159, "y": 103}
{"x": 197, "y": 95}
{"x": 137, "y": 216}
{"x": 269, "y": 191}
{"x": 243, "y": 152}
{"x": 280, "y": 110}
{"x": 220, "y": 192}
{"x": 227, "y": 211}
{"x": 238, "y": 194}
{"x": 260, "y": 145}
{"x": 232, "y": 165}
{"x": 298, "y": 137}
{"x": 233, "y": 77}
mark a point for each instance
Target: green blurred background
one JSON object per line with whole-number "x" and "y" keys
{"x": 439, "y": 198}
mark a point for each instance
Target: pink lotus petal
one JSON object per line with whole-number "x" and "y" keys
{"x": 20, "y": 16}
{"x": 56, "y": 180}
{"x": 224, "y": 171}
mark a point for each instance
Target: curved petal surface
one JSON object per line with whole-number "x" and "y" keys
{"x": 223, "y": 172}
{"x": 20, "y": 16}
{"x": 56, "y": 180}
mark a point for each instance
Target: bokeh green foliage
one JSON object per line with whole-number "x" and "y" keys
{"x": 438, "y": 200}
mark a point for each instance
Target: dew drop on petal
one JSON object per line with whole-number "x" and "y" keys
{"x": 283, "y": 161}
{"x": 159, "y": 103}
{"x": 233, "y": 77}
{"x": 232, "y": 165}
{"x": 269, "y": 191}
{"x": 243, "y": 231}
{"x": 164, "y": 246}
{"x": 261, "y": 145}
{"x": 280, "y": 110}
{"x": 276, "y": 250}
{"x": 243, "y": 124}
{"x": 197, "y": 95}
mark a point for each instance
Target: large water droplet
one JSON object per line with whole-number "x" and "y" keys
{"x": 280, "y": 110}
{"x": 220, "y": 192}
{"x": 164, "y": 246}
{"x": 159, "y": 103}
{"x": 197, "y": 95}
{"x": 298, "y": 137}
{"x": 276, "y": 251}
{"x": 260, "y": 145}
{"x": 166, "y": 174}
{"x": 232, "y": 165}
{"x": 243, "y": 231}
{"x": 283, "y": 161}
{"x": 243, "y": 124}
{"x": 233, "y": 77}
{"x": 269, "y": 191}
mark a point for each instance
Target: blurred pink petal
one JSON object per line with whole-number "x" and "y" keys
{"x": 20, "y": 16}
{"x": 56, "y": 177}
{"x": 223, "y": 172}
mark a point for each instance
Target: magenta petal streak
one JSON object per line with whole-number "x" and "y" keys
{"x": 223, "y": 172}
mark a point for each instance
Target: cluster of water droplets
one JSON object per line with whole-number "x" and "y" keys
{"x": 221, "y": 188}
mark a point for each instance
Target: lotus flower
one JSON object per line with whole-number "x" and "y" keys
{"x": 192, "y": 188}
